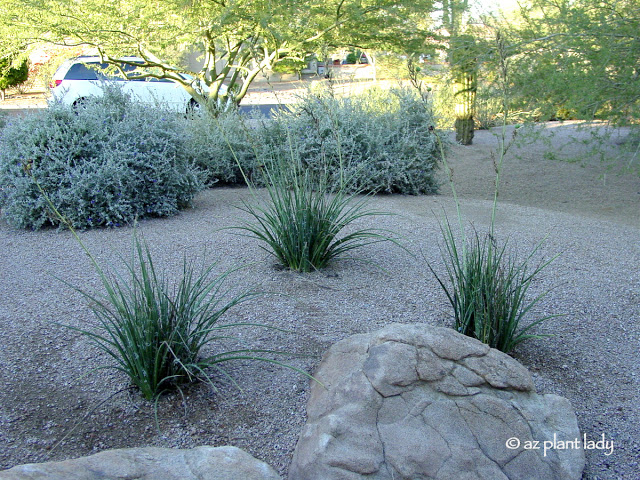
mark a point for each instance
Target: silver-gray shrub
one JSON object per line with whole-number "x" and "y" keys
{"x": 378, "y": 141}
{"x": 226, "y": 145}
{"x": 104, "y": 163}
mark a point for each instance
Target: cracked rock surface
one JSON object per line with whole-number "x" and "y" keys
{"x": 422, "y": 402}
{"x": 219, "y": 463}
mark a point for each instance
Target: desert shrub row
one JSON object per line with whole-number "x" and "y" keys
{"x": 112, "y": 161}
{"x": 378, "y": 141}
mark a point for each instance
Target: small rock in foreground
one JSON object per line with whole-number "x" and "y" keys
{"x": 212, "y": 463}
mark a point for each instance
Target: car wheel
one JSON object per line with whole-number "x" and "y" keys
{"x": 80, "y": 104}
{"x": 192, "y": 107}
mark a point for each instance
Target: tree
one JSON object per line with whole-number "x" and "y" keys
{"x": 452, "y": 15}
{"x": 12, "y": 73}
{"x": 234, "y": 40}
{"x": 577, "y": 58}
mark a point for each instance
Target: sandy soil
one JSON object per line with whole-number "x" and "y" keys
{"x": 562, "y": 166}
{"x": 589, "y": 208}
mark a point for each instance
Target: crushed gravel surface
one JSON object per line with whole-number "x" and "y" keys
{"x": 50, "y": 381}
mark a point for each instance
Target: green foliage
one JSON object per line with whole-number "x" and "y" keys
{"x": 463, "y": 55}
{"x": 452, "y": 15}
{"x": 464, "y": 69}
{"x": 488, "y": 107}
{"x": 577, "y": 56}
{"x": 155, "y": 333}
{"x": 378, "y": 140}
{"x": 225, "y": 146}
{"x": 351, "y": 58}
{"x": 113, "y": 161}
{"x": 105, "y": 164}
{"x": 485, "y": 284}
{"x": 390, "y": 65}
{"x": 290, "y": 65}
{"x": 487, "y": 288}
{"x": 302, "y": 225}
{"x": 217, "y": 43}
{"x": 11, "y": 75}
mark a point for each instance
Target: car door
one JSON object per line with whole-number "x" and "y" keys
{"x": 154, "y": 91}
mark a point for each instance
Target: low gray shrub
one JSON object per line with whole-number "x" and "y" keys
{"x": 225, "y": 145}
{"x": 379, "y": 141}
{"x": 105, "y": 163}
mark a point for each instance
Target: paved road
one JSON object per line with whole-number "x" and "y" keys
{"x": 265, "y": 109}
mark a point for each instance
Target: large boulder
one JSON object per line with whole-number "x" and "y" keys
{"x": 212, "y": 463}
{"x": 419, "y": 402}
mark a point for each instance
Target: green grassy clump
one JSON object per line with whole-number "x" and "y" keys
{"x": 488, "y": 289}
{"x": 302, "y": 224}
{"x": 155, "y": 333}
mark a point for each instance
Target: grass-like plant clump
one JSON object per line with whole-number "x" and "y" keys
{"x": 303, "y": 225}
{"x": 155, "y": 332}
{"x": 485, "y": 283}
{"x": 326, "y": 152}
{"x": 488, "y": 289}
{"x": 487, "y": 286}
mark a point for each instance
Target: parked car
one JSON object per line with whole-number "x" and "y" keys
{"x": 82, "y": 77}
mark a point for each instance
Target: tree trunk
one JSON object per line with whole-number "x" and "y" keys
{"x": 464, "y": 130}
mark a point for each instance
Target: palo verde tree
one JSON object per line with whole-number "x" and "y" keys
{"x": 234, "y": 40}
{"x": 577, "y": 58}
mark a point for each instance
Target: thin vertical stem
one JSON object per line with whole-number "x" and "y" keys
{"x": 503, "y": 71}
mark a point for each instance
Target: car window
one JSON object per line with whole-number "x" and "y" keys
{"x": 80, "y": 71}
{"x": 112, "y": 73}
{"x": 92, "y": 71}
{"x": 132, "y": 72}
{"x": 165, "y": 80}
{"x": 103, "y": 71}
{"x": 156, "y": 71}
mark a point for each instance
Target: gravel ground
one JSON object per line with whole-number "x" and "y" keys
{"x": 48, "y": 383}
